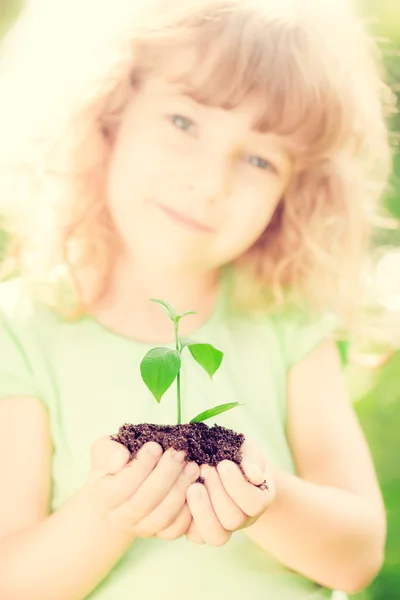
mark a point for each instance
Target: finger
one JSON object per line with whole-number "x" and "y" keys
{"x": 108, "y": 456}
{"x": 254, "y": 462}
{"x": 154, "y": 488}
{"x": 170, "y": 507}
{"x": 255, "y": 475}
{"x": 258, "y": 470}
{"x": 193, "y": 534}
{"x": 204, "y": 516}
{"x": 228, "y": 512}
{"x": 119, "y": 488}
{"x": 179, "y": 527}
{"x": 252, "y": 453}
{"x": 251, "y": 500}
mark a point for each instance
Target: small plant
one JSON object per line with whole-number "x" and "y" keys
{"x": 202, "y": 444}
{"x": 161, "y": 366}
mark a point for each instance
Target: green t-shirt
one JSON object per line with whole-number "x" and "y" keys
{"x": 89, "y": 380}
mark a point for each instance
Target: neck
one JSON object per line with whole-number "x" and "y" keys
{"x": 127, "y": 309}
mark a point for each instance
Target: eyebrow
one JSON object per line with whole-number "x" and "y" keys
{"x": 281, "y": 150}
{"x": 277, "y": 147}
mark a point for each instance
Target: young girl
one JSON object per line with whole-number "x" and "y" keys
{"x": 220, "y": 155}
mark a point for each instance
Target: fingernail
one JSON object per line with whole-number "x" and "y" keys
{"x": 191, "y": 469}
{"x": 204, "y": 471}
{"x": 255, "y": 474}
{"x": 227, "y": 467}
{"x": 199, "y": 493}
{"x": 178, "y": 457}
{"x": 256, "y": 470}
{"x": 154, "y": 450}
{"x": 118, "y": 460}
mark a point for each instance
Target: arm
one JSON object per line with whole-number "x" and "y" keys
{"x": 327, "y": 523}
{"x": 38, "y": 553}
{"x": 66, "y": 554}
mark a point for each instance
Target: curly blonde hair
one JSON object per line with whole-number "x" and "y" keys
{"x": 318, "y": 70}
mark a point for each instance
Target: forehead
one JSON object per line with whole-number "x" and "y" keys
{"x": 210, "y": 81}
{"x": 191, "y": 79}
{"x": 233, "y": 127}
{"x": 273, "y": 64}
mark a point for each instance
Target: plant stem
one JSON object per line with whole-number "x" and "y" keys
{"x": 178, "y": 378}
{"x": 178, "y": 383}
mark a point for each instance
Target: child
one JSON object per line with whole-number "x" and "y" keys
{"x": 218, "y": 154}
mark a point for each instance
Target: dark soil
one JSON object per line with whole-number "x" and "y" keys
{"x": 202, "y": 444}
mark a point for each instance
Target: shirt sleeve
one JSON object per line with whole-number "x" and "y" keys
{"x": 300, "y": 334}
{"x": 16, "y": 377}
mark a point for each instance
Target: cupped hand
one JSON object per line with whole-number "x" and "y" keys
{"x": 228, "y": 501}
{"x": 143, "y": 497}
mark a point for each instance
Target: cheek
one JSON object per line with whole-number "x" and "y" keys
{"x": 139, "y": 169}
{"x": 245, "y": 224}
{"x": 254, "y": 211}
{"x": 128, "y": 177}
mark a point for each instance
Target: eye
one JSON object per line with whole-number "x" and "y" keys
{"x": 260, "y": 163}
{"x": 183, "y": 123}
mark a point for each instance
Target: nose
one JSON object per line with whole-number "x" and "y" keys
{"x": 211, "y": 179}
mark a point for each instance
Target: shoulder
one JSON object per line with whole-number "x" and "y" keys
{"x": 11, "y": 293}
{"x": 15, "y": 304}
{"x": 294, "y": 330}
{"x": 30, "y": 337}
{"x": 23, "y": 310}
{"x": 301, "y": 331}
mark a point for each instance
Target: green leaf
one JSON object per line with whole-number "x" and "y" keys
{"x": 217, "y": 410}
{"x": 168, "y": 308}
{"x": 207, "y": 356}
{"x": 186, "y": 341}
{"x": 159, "y": 369}
{"x": 188, "y": 312}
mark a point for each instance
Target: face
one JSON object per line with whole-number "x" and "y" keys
{"x": 191, "y": 186}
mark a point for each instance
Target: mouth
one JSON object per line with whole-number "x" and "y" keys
{"x": 185, "y": 221}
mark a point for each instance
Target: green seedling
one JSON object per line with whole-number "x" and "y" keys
{"x": 161, "y": 366}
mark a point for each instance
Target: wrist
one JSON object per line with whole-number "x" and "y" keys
{"x": 95, "y": 522}
{"x": 281, "y": 481}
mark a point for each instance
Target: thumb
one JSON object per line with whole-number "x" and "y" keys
{"x": 107, "y": 456}
{"x": 254, "y": 473}
{"x": 254, "y": 462}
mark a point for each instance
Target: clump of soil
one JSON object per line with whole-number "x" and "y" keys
{"x": 202, "y": 444}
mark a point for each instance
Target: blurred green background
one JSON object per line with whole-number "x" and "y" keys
{"x": 372, "y": 363}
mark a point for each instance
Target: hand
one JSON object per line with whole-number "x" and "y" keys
{"x": 227, "y": 502}
{"x": 145, "y": 497}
